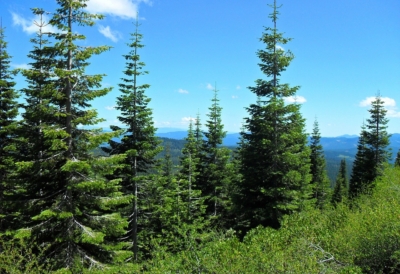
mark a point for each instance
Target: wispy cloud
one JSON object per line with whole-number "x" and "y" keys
{"x": 388, "y": 103}
{"x": 235, "y": 96}
{"x": 279, "y": 47}
{"x": 125, "y": 9}
{"x": 295, "y": 99}
{"x": 29, "y": 26}
{"x": 188, "y": 119}
{"x": 209, "y": 86}
{"x": 110, "y": 107}
{"x": 183, "y": 91}
{"x": 107, "y": 32}
{"x": 238, "y": 87}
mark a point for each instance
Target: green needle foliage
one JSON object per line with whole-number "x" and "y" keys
{"x": 8, "y": 125}
{"x": 141, "y": 146}
{"x": 358, "y": 174}
{"x": 213, "y": 178}
{"x": 397, "y": 162}
{"x": 275, "y": 158}
{"x": 319, "y": 179}
{"x": 70, "y": 206}
{"x": 340, "y": 191}
{"x": 373, "y": 151}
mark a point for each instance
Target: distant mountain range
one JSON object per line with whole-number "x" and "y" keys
{"x": 344, "y": 142}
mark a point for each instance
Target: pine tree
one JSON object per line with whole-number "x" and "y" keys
{"x": 274, "y": 153}
{"x": 140, "y": 145}
{"x": 372, "y": 151}
{"x": 319, "y": 179}
{"x": 397, "y": 161}
{"x": 377, "y": 139}
{"x": 8, "y": 125}
{"x": 70, "y": 205}
{"x": 213, "y": 168}
{"x": 340, "y": 191}
{"x": 360, "y": 166}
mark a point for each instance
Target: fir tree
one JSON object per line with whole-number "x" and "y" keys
{"x": 274, "y": 153}
{"x": 140, "y": 145}
{"x": 340, "y": 191}
{"x": 319, "y": 179}
{"x": 8, "y": 125}
{"x": 377, "y": 139}
{"x": 360, "y": 166}
{"x": 372, "y": 151}
{"x": 70, "y": 205}
{"x": 397, "y": 161}
{"x": 213, "y": 168}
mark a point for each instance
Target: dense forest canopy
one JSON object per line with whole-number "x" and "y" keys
{"x": 77, "y": 199}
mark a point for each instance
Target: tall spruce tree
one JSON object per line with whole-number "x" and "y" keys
{"x": 8, "y": 125}
{"x": 373, "y": 149}
{"x": 275, "y": 158}
{"x": 360, "y": 166}
{"x": 140, "y": 145}
{"x": 377, "y": 139}
{"x": 340, "y": 191}
{"x": 70, "y": 207}
{"x": 213, "y": 169}
{"x": 319, "y": 179}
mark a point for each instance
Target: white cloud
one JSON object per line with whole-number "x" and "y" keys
{"x": 388, "y": 103}
{"x": 393, "y": 113}
{"x": 183, "y": 91}
{"x": 210, "y": 87}
{"x": 238, "y": 87}
{"x": 30, "y": 26}
{"x": 125, "y": 9}
{"x": 279, "y": 47}
{"x": 295, "y": 99}
{"x": 110, "y": 107}
{"x": 107, "y": 32}
{"x": 188, "y": 119}
{"x": 21, "y": 66}
{"x": 235, "y": 96}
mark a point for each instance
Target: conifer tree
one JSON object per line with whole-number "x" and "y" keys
{"x": 213, "y": 168}
{"x": 377, "y": 139}
{"x": 140, "y": 145}
{"x": 70, "y": 205}
{"x": 340, "y": 191}
{"x": 397, "y": 161}
{"x": 8, "y": 125}
{"x": 360, "y": 166}
{"x": 319, "y": 179}
{"x": 373, "y": 149}
{"x": 275, "y": 159}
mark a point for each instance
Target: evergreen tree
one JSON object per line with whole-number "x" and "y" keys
{"x": 397, "y": 162}
{"x": 140, "y": 145}
{"x": 70, "y": 207}
{"x": 377, "y": 139}
{"x": 8, "y": 125}
{"x": 340, "y": 191}
{"x": 213, "y": 168}
{"x": 168, "y": 166}
{"x": 275, "y": 159}
{"x": 360, "y": 166}
{"x": 319, "y": 179}
{"x": 373, "y": 149}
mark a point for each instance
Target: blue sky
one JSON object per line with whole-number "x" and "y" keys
{"x": 345, "y": 52}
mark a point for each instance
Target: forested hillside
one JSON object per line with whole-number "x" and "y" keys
{"x": 77, "y": 199}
